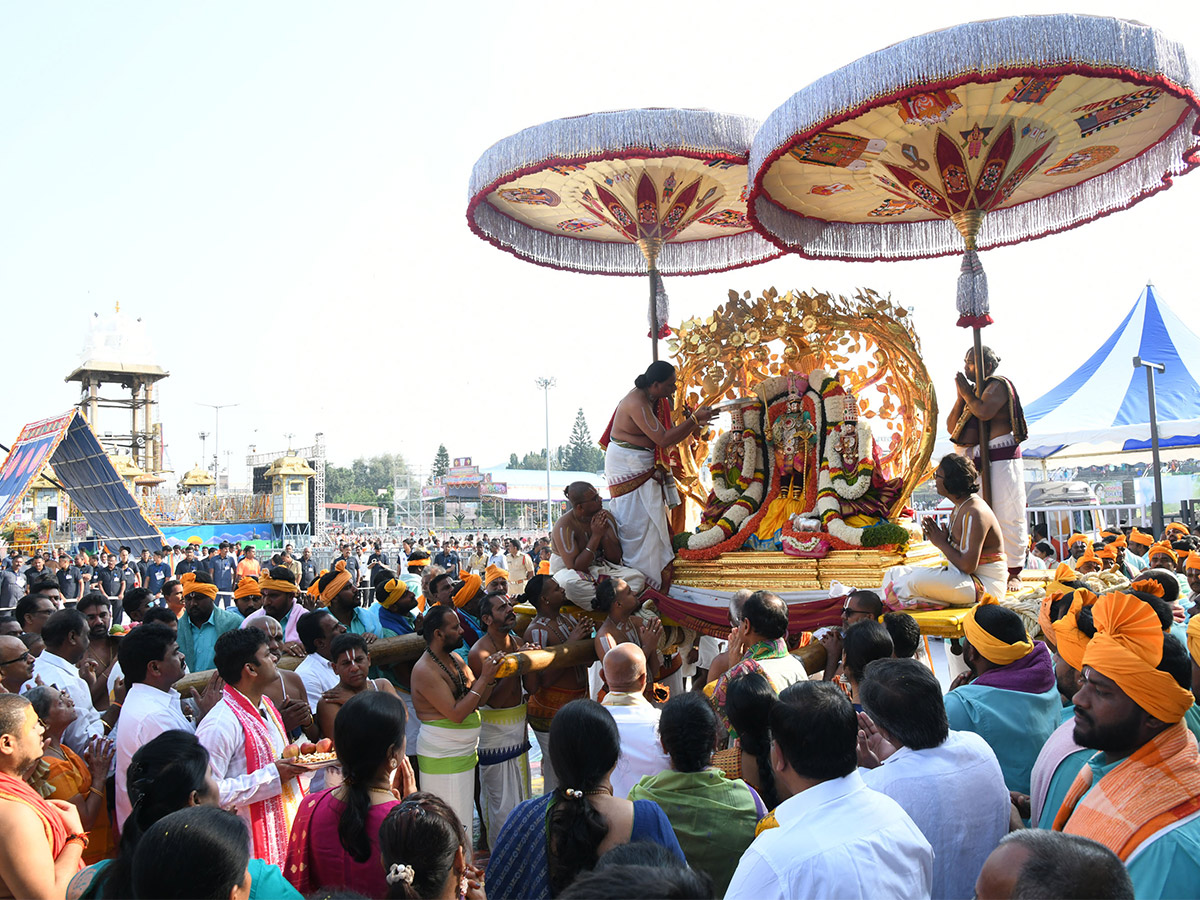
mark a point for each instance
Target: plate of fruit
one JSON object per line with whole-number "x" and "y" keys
{"x": 309, "y": 755}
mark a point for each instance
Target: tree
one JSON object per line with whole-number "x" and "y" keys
{"x": 441, "y": 462}
{"x": 582, "y": 454}
{"x": 363, "y": 480}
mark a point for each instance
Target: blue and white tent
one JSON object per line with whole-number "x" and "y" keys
{"x": 1103, "y": 408}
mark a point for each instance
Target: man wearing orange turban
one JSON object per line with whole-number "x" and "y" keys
{"x": 202, "y": 621}
{"x": 1140, "y": 795}
{"x": 247, "y": 596}
{"x": 1191, "y": 571}
{"x": 1087, "y": 562}
{"x": 1067, "y": 622}
{"x": 1162, "y": 556}
{"x": 1010, "y": 698}
{"x": 280, "y": 592}
{"x": 1076, "y": 545}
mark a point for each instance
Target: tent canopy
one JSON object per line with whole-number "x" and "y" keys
{"x": 1103, "y": 406}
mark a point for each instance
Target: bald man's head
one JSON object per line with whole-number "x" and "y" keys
{"x": 625, "y": 668}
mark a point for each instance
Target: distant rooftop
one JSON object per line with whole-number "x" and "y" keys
{"x": 118, "y": 344}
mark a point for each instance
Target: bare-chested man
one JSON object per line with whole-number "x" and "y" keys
{"x": 503, "y": 743}
{"x": 585, "y": 547}
{"x": 1000, "y": 408}
{"x": 621, "y": 626}
{"x": 972, "y": 544}
{"x": 552, "y": 689}
{"x": 447, "y": 697}
{"x": 640, "y": 487}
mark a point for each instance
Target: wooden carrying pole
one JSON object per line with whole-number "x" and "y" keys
{"x": 388, "y": 651}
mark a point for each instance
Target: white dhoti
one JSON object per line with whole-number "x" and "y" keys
{"x": 503, "y": 765}
{"x": 920, "y": 587}
{"x": 1007, "y": 477}
{"x": 582, "y": 591}
{"x": 640, "y": 512}
{"x": 447, "y": 753}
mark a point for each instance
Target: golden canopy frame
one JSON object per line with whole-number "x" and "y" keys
{"x": 866, "y": 339}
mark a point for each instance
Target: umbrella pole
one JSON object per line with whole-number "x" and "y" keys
{"x": 985, "y": 459}
{"x": 650, "y": 247}
{"x": 653, "y": 317}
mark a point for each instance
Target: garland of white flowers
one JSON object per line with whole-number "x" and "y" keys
{"x": 806, "y": 545}
{"x": 749, "y": 463}
{"x": 847, "y": 486}
{"x": 737, "y": 513}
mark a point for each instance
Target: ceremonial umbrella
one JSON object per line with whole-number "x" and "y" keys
{"x": 978, "y": 136}
{"x": 623, "y": 193}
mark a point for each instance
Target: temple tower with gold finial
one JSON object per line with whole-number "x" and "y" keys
{"x": 117, "y": 352}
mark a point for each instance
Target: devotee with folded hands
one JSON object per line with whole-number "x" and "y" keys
{"x": 907, "y": 751}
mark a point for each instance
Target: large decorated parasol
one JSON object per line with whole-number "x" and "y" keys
{"x": 641, "y": 191}
{"x": 977, "y": 136}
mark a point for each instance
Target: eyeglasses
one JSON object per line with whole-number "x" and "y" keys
{"x": 848, "y": 610}
{"x": 24, "y": 657}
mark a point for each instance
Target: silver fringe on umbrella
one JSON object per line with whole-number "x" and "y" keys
{"x": 1033, "y": 42}
{"x": 608, "y": 135}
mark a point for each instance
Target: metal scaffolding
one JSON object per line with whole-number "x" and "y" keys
{"x": 315, "y": 454}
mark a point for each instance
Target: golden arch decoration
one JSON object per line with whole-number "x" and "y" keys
{"x": 867, "y": 339}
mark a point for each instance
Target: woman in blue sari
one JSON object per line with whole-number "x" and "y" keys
{"x": 547, "y": 841}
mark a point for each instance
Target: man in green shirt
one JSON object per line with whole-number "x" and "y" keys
{"x": 202, "y": 621}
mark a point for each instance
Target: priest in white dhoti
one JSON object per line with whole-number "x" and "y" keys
{"x": 504, "y": 778}
{"x": 245, "y": 737}
{"x": 447, "y": 697}
{"x": 639, "y": 477}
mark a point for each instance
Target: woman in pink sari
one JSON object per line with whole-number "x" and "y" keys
{"x": 335, "y": 836}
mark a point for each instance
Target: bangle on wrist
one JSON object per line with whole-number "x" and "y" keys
{"x": 81, "y": 839}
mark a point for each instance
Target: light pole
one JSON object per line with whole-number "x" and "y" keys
{"x": 1156, "y": 508}
{"x": 216, "y": 408}
{"x": 545, "y": 384}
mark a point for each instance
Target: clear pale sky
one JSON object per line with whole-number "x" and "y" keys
{"x": 278, "y": 190}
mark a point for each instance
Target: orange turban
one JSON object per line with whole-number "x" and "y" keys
{"x": 1077, "y": 538}
{"x": 247, "y": 587}
{"x": 1137, "y": 537}
{"x": 492, "y": 573}
{"x": 314, "y": 589}
{"x": 1071, "y": 641}
{"x": 470, "y": 587}
{"x": 1193, "y": 561}
{"x": 1118, "y": 541}
{"x": 336, "y": 584}
{"x": 1108, "y": 552}
{"x": 1149, "y": 586}
{"x": 192, "y": 586}
{"x": 1164, "y": 548}
{"x": 1044, "y": 621}
{"x": 1064, "y": 573}
{"x": 1089, "y": 555}
{"x": 1193, "y": 637}
{"x": 420, "y": 561}
{"x": 1127, "y": 647}
{"x": 1177, "y": 527}
{"x": 990, "y": 647}
{"x": 279, "y": 584}
{"x": 544, "y": 567}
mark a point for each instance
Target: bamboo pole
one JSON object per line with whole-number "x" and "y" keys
{"x": 408, "y": 647}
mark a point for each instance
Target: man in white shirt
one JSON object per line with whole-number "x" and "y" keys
{"x": 637, "y": 721}
{"x": 154, "y": 662}
{"x": 912, "y": 756}
{"x": 66, "y": 637}
{"x": 835, "y": 837}
{"x": 244, "y": 736}
{"x": 316, "y": 631}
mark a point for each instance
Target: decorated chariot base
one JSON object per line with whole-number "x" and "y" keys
{"x": 832, "y": 419}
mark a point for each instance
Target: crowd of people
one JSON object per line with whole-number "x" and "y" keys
{"x": 364, "y": 729}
